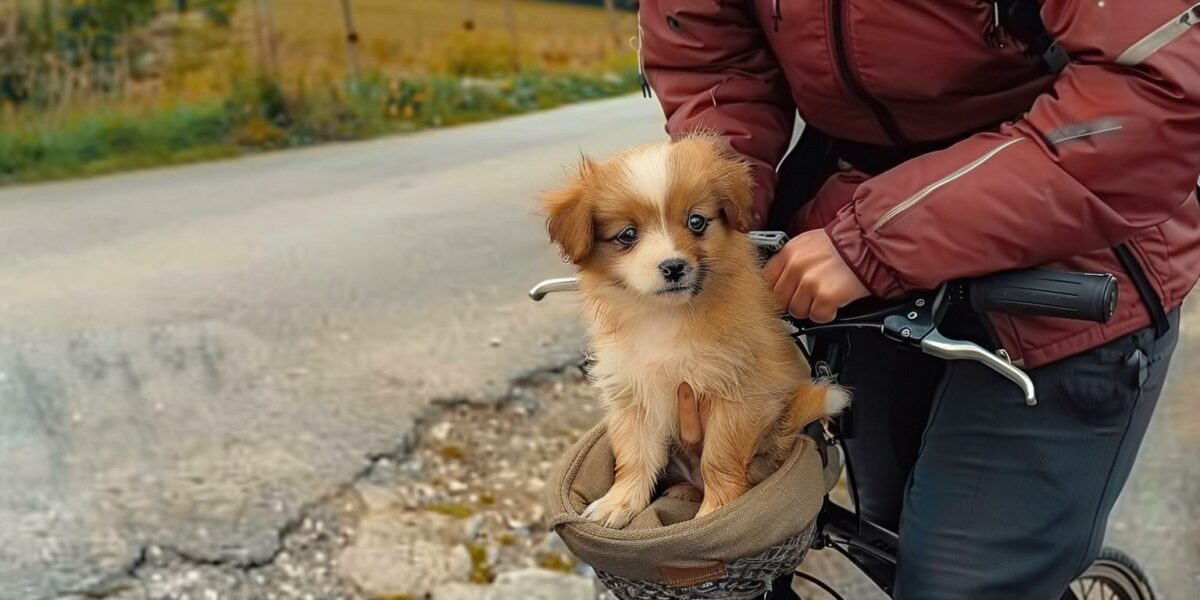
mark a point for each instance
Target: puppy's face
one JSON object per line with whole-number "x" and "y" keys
{"x": 655, "y": 222}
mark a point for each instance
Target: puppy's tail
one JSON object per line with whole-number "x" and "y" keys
{"x": 814, "y": 401}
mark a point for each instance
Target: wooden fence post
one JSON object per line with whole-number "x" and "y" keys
{"x": 351, "y": 40}
{"x": 11, "y": 20}
{"x": 468, "y": 23}
{"x": 614, "y": 30}
{"x": 510, "y": 20}
{"x": 264, "y": 34}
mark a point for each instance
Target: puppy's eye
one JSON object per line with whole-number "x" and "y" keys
{"x": 697, "y": 223}
{"x": 627, "y": 236}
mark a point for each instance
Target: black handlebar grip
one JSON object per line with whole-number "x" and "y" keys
{"x": 1046, "y": 293}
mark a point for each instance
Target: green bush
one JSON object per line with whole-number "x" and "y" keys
{"x": 105, "y": 142}
{"x": 218, "y": 11}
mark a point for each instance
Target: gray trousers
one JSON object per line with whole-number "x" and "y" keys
{"x": 993, "y": 498}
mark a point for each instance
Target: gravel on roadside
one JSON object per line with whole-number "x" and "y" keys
{"x": 458, "y": 517}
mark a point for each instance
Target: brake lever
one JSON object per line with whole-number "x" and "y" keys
{"x": 936, "y": 344}
{"x": 915, "y": 324}
{"x": 918, "y": 327}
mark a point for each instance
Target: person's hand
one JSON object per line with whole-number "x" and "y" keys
{"x": 810, "y": 280}
{"x": 693, "y": 418}
{"x": 694, "y": 410}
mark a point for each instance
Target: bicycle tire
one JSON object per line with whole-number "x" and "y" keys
{"x": 1114, "y": 574}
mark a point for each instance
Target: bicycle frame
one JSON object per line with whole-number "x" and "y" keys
{"x": 842, "y": 529}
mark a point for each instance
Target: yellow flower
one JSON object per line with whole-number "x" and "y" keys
{"x": 408, "y": 111}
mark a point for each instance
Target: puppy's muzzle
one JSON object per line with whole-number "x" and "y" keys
{"x": 674, "y": 270}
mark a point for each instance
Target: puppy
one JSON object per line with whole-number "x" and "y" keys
{"x": 673, "y": 295}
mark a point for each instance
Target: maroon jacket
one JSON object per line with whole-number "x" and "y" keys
{"x": 1108, "y": 151}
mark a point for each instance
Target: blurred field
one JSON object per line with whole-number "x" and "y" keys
{"x": 420, "y": 36}
{"x": 91, "y": 86}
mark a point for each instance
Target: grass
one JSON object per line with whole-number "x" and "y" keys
{"x": 556, "y": 561}
{"x": 418, "y": 69}
{"x": 457, "y": 511}
{"x": 113, "y": 140}
{"x": 481, "y": 571}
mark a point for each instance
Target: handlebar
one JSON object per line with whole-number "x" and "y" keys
{"x": 1042, "y": 293}
{"x": 914, "y": 321}
{"x": 1029, "y": 292}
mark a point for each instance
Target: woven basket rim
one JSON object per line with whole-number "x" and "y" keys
{"x": 662, "y": 590}
{"x": 691, "y": 527}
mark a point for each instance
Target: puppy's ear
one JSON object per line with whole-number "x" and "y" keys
{"x": 731, "y": 176}
{"x": 569, "y": 215}
{"x": 735, "y": 184}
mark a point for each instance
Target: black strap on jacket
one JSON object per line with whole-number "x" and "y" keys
{"x": 802, "y": 172}
{"x": 1023, "y": 18}
{"x": 1145, "y": 290}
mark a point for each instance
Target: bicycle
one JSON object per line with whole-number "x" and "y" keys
{"x": 914, "y": 322}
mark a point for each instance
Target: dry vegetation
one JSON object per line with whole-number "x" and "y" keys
{"x": 230, "y": 76}
{"x": 419, "y": 36}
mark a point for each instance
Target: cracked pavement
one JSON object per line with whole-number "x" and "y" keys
{"x": 201, "y": 366}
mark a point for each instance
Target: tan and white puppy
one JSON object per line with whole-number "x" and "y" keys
{"x": 673, "y": 295}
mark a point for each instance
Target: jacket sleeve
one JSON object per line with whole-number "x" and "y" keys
{"x": 710, "y": 66}
{"x": 1113, "y": 149}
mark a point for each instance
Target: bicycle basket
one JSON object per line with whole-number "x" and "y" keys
{"x": 665, "y": 553}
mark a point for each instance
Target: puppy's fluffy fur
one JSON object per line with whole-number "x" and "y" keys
{"x": 673, "y": 293}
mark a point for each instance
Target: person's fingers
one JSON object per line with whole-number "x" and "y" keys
{"x": 774, "y": 267}
{"x": 785, "y": 287}
{"x": 782, "y": 262}
{"x": 822, "y": 311}
{"x": 838, "y": 290}
{"x": 800, "y": 304}
{"x": 691, "y": 420}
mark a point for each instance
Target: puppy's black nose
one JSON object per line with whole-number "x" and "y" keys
{"x": 673, "y": 269}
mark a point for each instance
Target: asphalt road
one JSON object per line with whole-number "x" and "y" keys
{"x": 189, "y": 356}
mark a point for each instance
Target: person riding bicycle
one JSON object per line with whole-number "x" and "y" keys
{"x": 946, "y": 140}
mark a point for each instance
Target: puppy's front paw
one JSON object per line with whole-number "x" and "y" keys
{"x": 612, "y": 510}
{"x": 709, "y": 505}
{"x": 684, "y": 491}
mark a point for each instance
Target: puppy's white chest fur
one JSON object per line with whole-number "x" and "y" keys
{"x": 650, "y": 349}
{"x": 646, "y": 360}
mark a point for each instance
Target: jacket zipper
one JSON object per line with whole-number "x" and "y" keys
{"x": 837, "y": 11}
{"x": 929, "y": 189}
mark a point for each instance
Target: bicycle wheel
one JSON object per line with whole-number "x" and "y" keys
{"x": 1113, "y": 576}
